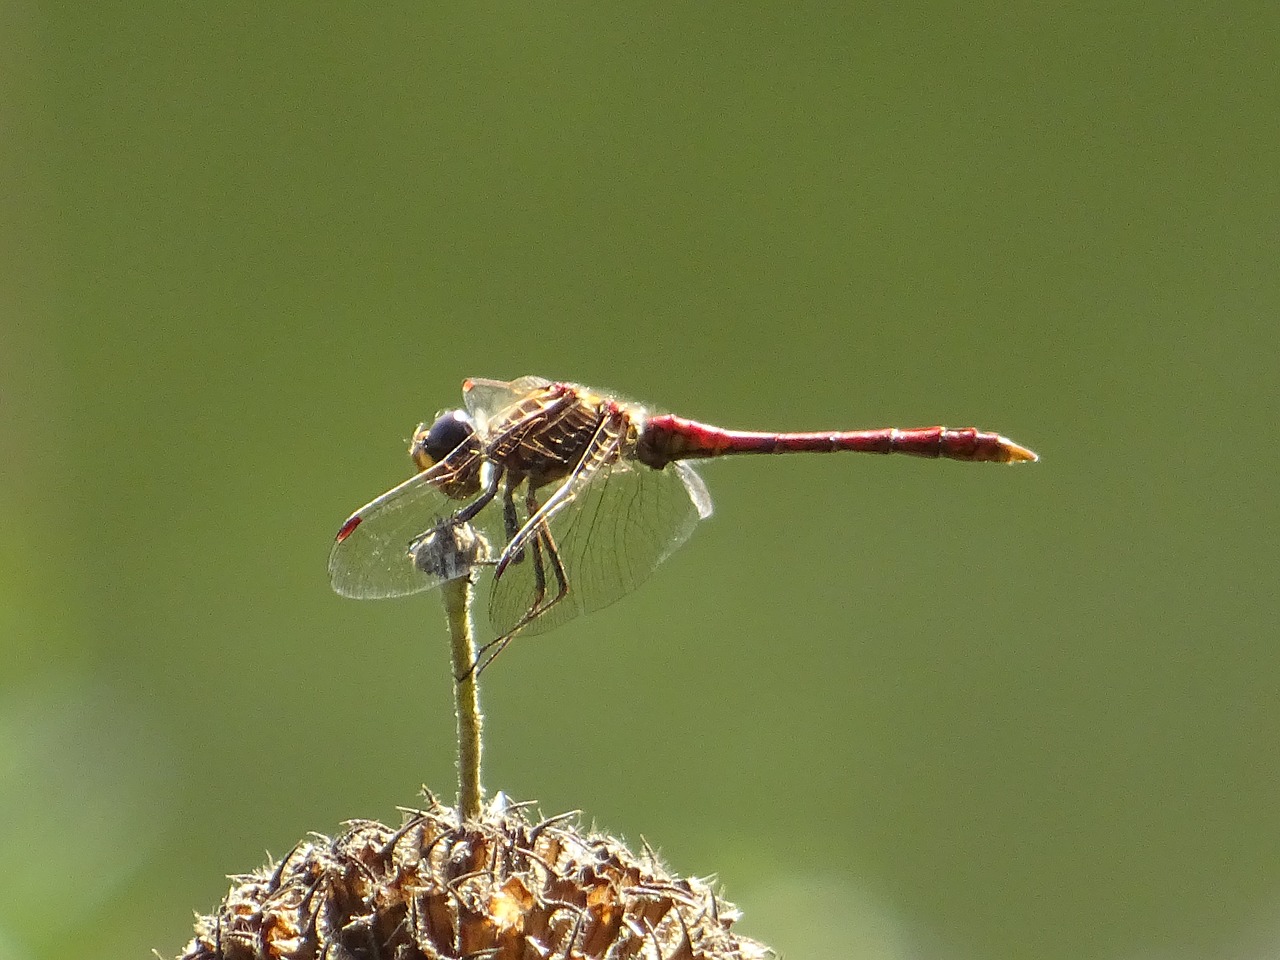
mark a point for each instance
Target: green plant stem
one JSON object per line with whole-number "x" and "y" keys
{"x": 466, "y": 693}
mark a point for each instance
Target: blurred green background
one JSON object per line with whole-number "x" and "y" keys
{"x": 904, "y": 709}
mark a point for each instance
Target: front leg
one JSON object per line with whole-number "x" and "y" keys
{"x": 468, "y": 513}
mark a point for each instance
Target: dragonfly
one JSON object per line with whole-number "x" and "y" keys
{"x": 575, "y": 495}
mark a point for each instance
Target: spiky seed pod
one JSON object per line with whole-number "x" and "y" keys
{"x": 500, "y": 887}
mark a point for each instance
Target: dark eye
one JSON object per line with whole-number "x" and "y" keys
{"x": 449, "y": 430}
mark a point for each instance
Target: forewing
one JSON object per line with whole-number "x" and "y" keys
{"x": 486, "y": 398}
{"x": 373, "y": 561}
{"x": 624, "y": 519}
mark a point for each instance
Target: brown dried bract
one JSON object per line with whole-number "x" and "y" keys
{"x": 500, "y": 887}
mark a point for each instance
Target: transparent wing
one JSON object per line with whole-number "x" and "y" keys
{"x": 623, "y": 520}
{"x": 371, "y": 558}
{"x": 485, "y": 398}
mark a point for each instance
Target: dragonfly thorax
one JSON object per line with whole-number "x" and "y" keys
{"x": 543, "y": 439}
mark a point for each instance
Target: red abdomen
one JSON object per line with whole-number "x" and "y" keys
{"x": 667, "y": 437}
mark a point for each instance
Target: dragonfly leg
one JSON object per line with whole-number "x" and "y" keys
{"x": 602, "y": 450}
{"x": 539, "y": 571}
{"x": 557, "y": 567}
{"x": 541, "y": 545}
{"x": 467, "y": 513}
{"x": 543, "y": 542}
{"x": 510, "y": 520}
{"x": 486, "y": 655}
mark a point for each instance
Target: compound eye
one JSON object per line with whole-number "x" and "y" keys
{"x": 450, "y": 430}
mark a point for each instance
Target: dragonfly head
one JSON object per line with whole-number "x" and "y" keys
{"x": 432, "y": 444}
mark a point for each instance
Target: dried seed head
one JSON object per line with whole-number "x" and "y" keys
{"x": 499, "y": 887}
{"x": 449, "y": 550}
